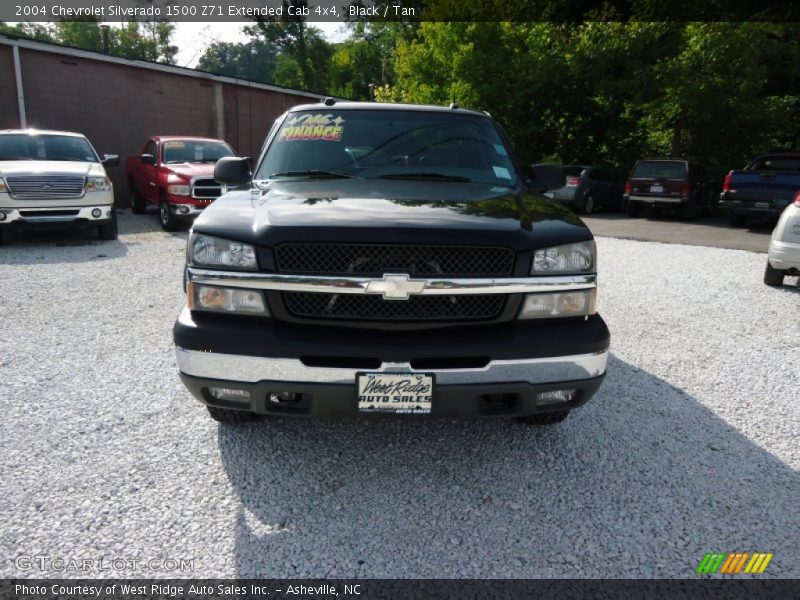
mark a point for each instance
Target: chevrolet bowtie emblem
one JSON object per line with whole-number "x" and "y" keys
{"x": 395, "y": 287}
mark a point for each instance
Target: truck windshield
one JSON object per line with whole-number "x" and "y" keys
{"x": 27, "y": 146}
{"x": 389, "y": 144}
{"x": 660, "y": 169}
{"x": 198, "y": 151}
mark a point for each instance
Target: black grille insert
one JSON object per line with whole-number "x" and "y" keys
{"x": 377, "y": 259}
{"x": 375, "y": 308}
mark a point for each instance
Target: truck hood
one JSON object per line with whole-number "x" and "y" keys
{"x": 42, "y": 167}
{"x": 190, "y": 170}
{"x": 387, "y": 211}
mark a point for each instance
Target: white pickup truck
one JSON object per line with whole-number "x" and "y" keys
{"x": 54, "y": 179}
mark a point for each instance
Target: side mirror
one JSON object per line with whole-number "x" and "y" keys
{"x": 547, "y": 176}
{"x": 110, "y": 160}
{"x": 232, "y": 170}
{"x": 147, "y": 159}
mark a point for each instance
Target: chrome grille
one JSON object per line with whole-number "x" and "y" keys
{"x": 377, "y": 259}
{"x": 45, "y": 186}
{"x": 206, "y": 188}
{"x": 355, "y": 307}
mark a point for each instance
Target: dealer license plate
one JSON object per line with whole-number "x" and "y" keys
{"x": 656, "y": 189}
{"x": 399, "y": 393}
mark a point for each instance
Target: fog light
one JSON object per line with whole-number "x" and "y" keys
{"x": 97, "y": 213}
{"x": 284, "y": 397}
{"x": 184, "y": 210}
{"x": 229, "y": 394}
{"x": 2, "y": 216}
{"x": 555, "y": 397}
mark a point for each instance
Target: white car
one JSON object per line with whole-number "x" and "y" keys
{"x": 784, "y": 246}
{"x": 54, "y": 179}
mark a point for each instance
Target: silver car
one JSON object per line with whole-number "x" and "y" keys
{"x": 784, "y": 246}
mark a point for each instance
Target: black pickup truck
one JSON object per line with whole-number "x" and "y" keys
{"x": 389, "y": 259}
{"x": 763, "y": 189}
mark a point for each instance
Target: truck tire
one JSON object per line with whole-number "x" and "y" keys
{"x": 773, "y": 277}
{"x": 138, "y": 203}
{"x": 737, "y": 220}
{"x": 2, "y": 239}
{"x": 109, "y": 231}
{"x": 545, "y": 419}
{"x": 168, "y": 220}
{"x": 230, "y": 417}
{"x": 688, "y": 211}
{"x": 634, "y": 209}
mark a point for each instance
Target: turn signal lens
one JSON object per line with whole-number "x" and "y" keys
{"x": 579, "y": 303}
{"x": 2, "y": 186}
{"x": 229, "y": 300}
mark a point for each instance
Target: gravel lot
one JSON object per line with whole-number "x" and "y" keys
{"x": 690, "y": 446}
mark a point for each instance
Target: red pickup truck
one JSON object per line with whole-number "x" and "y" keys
{"x": 175, "y": 173}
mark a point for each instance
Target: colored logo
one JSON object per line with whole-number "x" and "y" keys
{"x": 734, "y": 562}
{"x": 312, "y": 127}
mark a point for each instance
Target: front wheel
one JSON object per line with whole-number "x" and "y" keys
{"x": 138, "y": 203}
{"x": 545, "y": 419}
{"x": 2, "y": 239}
{"x": 109, "y": 231}
{"x": 169, "y": 221}
{"x": 230, "y": 417}
{"x": 773, "y": 277}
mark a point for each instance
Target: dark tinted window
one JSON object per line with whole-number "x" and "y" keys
{"x": 46, "y": 147}
{"x": 777, "y": 163}
{"x": 390, "y": 144}
{"x": 661, "y": 169}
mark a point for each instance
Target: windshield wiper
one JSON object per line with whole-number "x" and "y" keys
{"x": 312, "y": 174}
{"x": 439, "y": 176}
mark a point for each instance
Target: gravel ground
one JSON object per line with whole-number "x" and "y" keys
{"x": 690, "y": 446}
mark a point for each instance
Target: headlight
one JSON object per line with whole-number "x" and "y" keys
{"x": 579, "y": 303}
{"x": 208, "y": 251}
{"x": 98, "y": 184}
{"x": 179, "y": 190}
{"x": 2, "y": 185}
{"x": 569, "y": 259}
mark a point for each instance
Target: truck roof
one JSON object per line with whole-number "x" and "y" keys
{"x": 330, "y": 104}
{"x": 32, "y": 131}
{"x": 166, "y": 138}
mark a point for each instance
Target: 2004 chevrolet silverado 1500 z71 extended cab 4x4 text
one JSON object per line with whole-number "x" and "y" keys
{"x": 389, "y": 259}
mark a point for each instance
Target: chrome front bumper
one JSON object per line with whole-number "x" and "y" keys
{"x": 16, "y": 215}
{"x": 252, "y": 369}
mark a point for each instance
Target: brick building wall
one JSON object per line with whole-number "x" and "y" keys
{"x": 118, "y": 104}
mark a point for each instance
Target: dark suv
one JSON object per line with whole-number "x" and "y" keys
{"x": 389, "y": 259}
{"x": 669, "y": 184}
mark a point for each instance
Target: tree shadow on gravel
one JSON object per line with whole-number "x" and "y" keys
{"x": 640, "y": 482}
{"x": 57, "y": 246}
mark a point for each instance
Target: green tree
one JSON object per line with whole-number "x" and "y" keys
{"x": 304, "y": 52}
{"x": 255, "y": 60}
